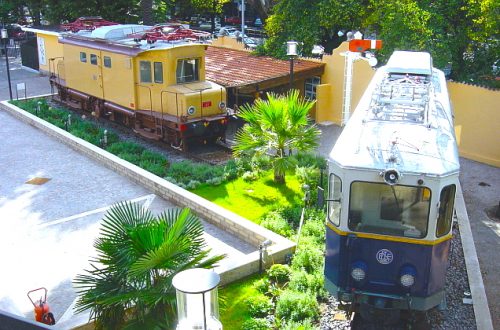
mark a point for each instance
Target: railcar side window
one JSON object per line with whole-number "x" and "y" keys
{"x": 83, "y": 57}
{"x": 188, "y": 70}
{"x": 334, "y": 199}
{"x": 158, "y": 68}
{"x": 445, "y": 211}
{"x": 93, "y": 59}
{"x": 379, "y": 208}
{"x": 145, "y": 71}
{"x": 107, "y": 61}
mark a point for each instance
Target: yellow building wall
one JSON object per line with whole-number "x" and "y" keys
{"x": 330, "y": 93}
{"x": 50, "y": 52}
{"x": 477, "y": 122}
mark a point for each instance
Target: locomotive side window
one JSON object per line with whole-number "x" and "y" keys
{"x": 158, "y": 68}
{"x": 145, "y": 71}
{"x": 107, "y": 61}
{"x": 379, "y": 208}
{"x": 93, "y": 59}
{"x": 83, "y": 57}
{"x": 334, "y": 199}
{"x": 188, "y": 70}
{"x": 445, "y": 212}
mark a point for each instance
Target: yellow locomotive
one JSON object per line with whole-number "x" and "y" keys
{"x": 149, "y": 79}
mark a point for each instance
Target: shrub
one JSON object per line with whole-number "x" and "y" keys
{"x": 296, "y": 306}
{"x": 262, "y": 285}
{"x": 230, "y": 170}
{"x": 275, "y": 222}
{"x": 279, "y": 273}
{"x": 308, "y": 257}
{"x": 256, "y": 324}
{"x": 300, "y": 325}
{"x": 243, "y": 164}
{"x": 308, "y": 159}
{"x": 193, "y": 184}
{"x": 314, "y": 228}
{"x": 125, "y": 147}
{"x": 292, "y": 215}
{"x": 187, "y": 171}
{"x": 262, "y": 162}
{"x": 250, "y": 175}
{"x": 301, "y": 281}
{"x": 308, "y": 175}
{"x": 259, "y": 305}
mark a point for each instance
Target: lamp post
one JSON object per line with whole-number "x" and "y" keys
{"x": 5, "y": 38}
{"x": 291, "y": 52}
{"x": 197, "y": 302}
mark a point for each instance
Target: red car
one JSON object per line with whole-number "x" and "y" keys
{"x": 234, "y": 20}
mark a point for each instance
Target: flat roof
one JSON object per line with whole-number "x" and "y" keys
{"x": 251, "y": 73}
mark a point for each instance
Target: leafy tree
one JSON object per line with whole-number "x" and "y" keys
{"x": 130, "y": 280}
{"x": 278, "y": 124}
{"x": 211, "y": 7}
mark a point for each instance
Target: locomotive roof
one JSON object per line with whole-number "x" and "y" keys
{"x": 115, "y": 38}
{"x": 410, "y": 62}
{"x": 403, "y": 121}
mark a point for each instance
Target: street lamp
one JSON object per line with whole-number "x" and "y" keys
{"x": 291, "y": 51}
{"x": 197, "y": 302}
{"x": 5, "y": 38}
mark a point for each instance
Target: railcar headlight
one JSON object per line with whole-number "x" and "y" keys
{"x": 191, "y": 110}
{"x": 407, "y": 276}
{"x": 358, "y": 271}
{"x": 222, "y": 105}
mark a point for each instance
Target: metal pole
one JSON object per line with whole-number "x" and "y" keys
{"x": 8, "y": 68}
{"x": 242, "y": 19}
{"x": 291, "y": 72}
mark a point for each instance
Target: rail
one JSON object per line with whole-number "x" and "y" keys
{"x": 150, "y": 98}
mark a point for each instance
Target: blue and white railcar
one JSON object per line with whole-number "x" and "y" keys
{"x": 393, "y": 177}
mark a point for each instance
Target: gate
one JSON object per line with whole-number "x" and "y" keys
{"x": 29, "y": 53}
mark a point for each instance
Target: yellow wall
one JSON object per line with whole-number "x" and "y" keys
{"x": 53, "y": 52}
{"x": 83, "y": 76}
{"x": 477, "y": 122}
{"x": 118, "y": 80}
{"x": 330, "y": 92}
{"x": 228, "y": 42}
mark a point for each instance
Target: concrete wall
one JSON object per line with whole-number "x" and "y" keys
{"x": 227, "y": 220}
{"x": 477, "y": 122}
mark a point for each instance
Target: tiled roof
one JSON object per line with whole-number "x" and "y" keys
{"x": 236, "y": 68}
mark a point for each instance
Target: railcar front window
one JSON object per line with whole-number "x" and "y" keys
{"x": 145, "y": 71}
{"x": 334, "y": 199}
{"x": 445, "y": 211}
{"x": 188, "y": 70}
{"x": 379, "y": 208}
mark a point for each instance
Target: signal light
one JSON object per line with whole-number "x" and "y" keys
{"x": 183, "y": 127}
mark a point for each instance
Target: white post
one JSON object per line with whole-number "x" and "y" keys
{"x": 242, "y": 19}
{"x": 350, "y": 57}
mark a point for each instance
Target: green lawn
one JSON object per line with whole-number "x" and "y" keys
{"x": 253, "y": 199}
{"x": 233, "y": 310}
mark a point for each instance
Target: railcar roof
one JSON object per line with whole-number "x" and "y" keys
{"x": 425, "y": 146}
{"x": 115, "y": 38}
{"x": 410, "y": 62}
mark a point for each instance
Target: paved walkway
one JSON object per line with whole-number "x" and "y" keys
{"x": 47, "y": 229}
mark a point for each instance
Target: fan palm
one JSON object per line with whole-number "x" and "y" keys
{"x": 276, "y": 125}
{"x": 130, "y": 281}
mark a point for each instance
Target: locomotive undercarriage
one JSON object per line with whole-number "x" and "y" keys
{"x": 178, "y": 132}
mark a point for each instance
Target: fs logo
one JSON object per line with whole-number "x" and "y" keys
{"x": 384, "y": 256}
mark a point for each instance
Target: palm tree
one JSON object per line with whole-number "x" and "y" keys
{"x": 130, "y": 281}
{"x": 277, "y": 124}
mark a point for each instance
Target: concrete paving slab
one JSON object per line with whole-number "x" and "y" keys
{"x": 47, "y": 230}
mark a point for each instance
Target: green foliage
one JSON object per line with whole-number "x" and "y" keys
{"x": 310, "y": 160}
{"x": 250, "y": 176}
{"x": 299, "y": 325}
{"x": 296, "y": 306}
{"x": 230, "y": 170}
{"x": 302, "y": 281}
{"x": 314, "y": 226}
{"x": 137, "y": 256}
{"x": 193, "y": 174}
{"x": 258, "y": 306}
{"x": 279, "y": 273}
{"x": 256, "y": 324}
{"x": 275, "y": 222}
{"x": 262, "y": 285}
{"x": 279, "y": 124}
{"x": 292, "y": 215}
{"x": 308, "y": 256}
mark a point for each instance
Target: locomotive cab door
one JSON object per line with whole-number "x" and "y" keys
{"x": 95, "y": 72}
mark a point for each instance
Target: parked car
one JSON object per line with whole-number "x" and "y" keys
{"x": 250, "y": 43}
{"x": 233, "y": 20}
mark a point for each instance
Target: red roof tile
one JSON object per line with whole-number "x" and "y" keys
{"x": 235, "y": 68}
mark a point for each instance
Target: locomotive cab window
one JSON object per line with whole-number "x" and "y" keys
{"x": 107, "y": 61}
{"x": 83, "y": 57}
{"x": 93, "y": 59}
{"x": 188, "y": 70}
{"x": 445, "y": 211}
{"x": 145, "y": 71}
{"x": 334, "y": 199}
{"x": 158, "y": 71}
{"x": 379, "y": 208}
